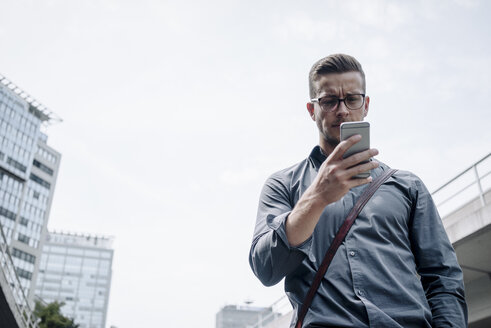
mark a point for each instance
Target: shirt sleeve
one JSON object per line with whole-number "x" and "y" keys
{"x": 441, "y": 275}
{"x": 271, "y": 257}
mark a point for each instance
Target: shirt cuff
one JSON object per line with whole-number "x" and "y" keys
{"x": 278, "y": 225}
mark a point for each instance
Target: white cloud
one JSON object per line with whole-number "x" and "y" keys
{"x": 301, "y": 26}
{"x": 468, "y": 3}
{"x": 342, "y": 20}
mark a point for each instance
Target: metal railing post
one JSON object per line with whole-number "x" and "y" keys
{"x": 478, "y": 181}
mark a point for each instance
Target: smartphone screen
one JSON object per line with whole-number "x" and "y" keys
{"x": 362, "y": 128}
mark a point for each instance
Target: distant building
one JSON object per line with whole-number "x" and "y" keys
{"x": 76, "y": 269}
{"x": 243, "y": 316}
{"x": 28, "y": 171}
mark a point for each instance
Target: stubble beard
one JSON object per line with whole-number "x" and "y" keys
{"x": 332, "y": 141}
{"x": 329, "y": 139}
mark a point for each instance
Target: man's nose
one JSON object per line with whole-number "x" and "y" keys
{"x": 342, "y": 110}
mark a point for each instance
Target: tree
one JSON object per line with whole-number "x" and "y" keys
{"x": 51, "y": 316}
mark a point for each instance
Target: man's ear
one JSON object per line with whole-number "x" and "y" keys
{"x": 311, "y": 110}
{"x": 365, "y": 107}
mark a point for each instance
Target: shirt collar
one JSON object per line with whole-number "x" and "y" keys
{"x": 317, "y": 157}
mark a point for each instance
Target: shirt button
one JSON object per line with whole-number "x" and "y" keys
{"x": 352, "y": 253}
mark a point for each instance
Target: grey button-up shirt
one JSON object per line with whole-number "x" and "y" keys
{"x": 396, "y": 267}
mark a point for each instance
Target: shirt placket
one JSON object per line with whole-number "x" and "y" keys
{"x": 357, "y": 275}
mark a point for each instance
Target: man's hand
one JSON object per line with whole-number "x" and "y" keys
{"x": 334, "y": 178}
{"x": 332, "y": 182}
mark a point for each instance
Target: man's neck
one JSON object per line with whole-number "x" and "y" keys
{"x": 326, "y": 147}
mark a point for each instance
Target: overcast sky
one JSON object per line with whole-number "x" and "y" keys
{"x": 175, "y": 112}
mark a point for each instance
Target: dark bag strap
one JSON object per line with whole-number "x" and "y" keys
{"x": 342, "y": 232}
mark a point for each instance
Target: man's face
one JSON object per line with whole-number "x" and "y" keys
{"x": 337, "y": 85}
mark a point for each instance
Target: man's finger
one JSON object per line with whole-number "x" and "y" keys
{"x": 344, "y": 145}
{"x": 358, "y": 182}
{"x": 357, "y": 169}
{"x": 359, "y": 157}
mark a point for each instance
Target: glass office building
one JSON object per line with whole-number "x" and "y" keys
{"x": 76, "y": 269}
{"x": 28, "y": 171}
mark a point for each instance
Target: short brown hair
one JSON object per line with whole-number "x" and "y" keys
{"x": 336, "y": 63}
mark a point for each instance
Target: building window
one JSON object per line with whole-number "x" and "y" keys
{"x": 24, "y": 221}
{"x": 40, "y": 181}
{"x": 43, "y": 167}
{"x": 23, "y": 238}
{"x": 24, "y": 273}
{"x": 6, "y": 213}
{"x": 23, "y": 255}
{"x": 16, "y": 164}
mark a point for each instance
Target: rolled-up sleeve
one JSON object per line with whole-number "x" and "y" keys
{"x": 271, "y": 257}
{"x": 441, "y": 275}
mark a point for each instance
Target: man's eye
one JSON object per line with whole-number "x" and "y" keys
{"x": 329, "y": 102}
{"x": 353, "y": 98}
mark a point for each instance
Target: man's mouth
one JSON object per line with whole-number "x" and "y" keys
{"x": 338, "y": 124}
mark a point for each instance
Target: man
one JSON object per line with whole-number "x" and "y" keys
{"x": 396, "y": 267}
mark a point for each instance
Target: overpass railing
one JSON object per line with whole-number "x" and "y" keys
{"x": 13, "y": 287}
{"x": 473, "y": 182}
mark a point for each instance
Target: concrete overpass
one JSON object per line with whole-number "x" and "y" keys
{"x": 464, "y": 204}
{"x": 14, "y": 308}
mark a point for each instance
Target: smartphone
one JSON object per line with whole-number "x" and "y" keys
{"x": 362, "y": 128}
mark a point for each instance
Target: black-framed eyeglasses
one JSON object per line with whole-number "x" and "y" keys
{"x": 351, "y": 101}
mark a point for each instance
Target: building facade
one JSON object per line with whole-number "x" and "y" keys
{"x": 28, "y": 171}
{"x": 76, "y": 269}
{"x": 243, "y": 316}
